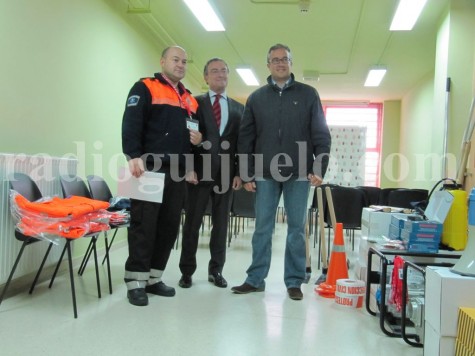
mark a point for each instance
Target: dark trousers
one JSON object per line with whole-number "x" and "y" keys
{"x": 154, "y": 228}
{"x": 197, "y": 199}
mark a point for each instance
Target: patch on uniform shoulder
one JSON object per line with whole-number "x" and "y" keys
{"x": 133, "y": 100}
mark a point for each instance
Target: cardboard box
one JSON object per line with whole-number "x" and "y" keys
{"x": 421, "y": 247}
{"x": 445, "y": 293}
{"x": 424, "y": 237}
{"x": 423, "y": 226}
{"x": 375, "y": 223}
{"x": 436, "y": 344}
{"x": 399, "y": 219}
{"x": 394, "y": 232}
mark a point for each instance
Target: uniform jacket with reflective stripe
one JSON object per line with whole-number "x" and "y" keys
{"x": 154, "y": 120}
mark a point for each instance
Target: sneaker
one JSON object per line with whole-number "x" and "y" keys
{"x": 161, "y": 289}
{"x": 295, "y": 293}
{"x": 218, "y": 280}
{"x": 137, "y": 297}
{"x": 246, "y": 288}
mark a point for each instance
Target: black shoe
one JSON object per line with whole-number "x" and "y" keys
{"x": 137, "y": 297}
{"x": 161, "y": 289}
{"x": 185, "y": 281}
{"x": 246, "y": 288}
{"x": 295, "y": 293}
{"x": 217, "y": 279}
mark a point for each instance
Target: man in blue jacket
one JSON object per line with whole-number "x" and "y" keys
{"x": 283, "y": 145}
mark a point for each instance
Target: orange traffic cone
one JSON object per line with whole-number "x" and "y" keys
{"x": 337, "y": 268}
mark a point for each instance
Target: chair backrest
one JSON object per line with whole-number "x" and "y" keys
{"x": 384, "y": 195}
{"x": 348, "y": 203}
{"x": 98, "y": 188}
{"x": 243, "y": 203}
{"x": 24, "y": 185}
{"x": 402, "y": 198}
{"x": 73, "y": 185}
{"x": 372, "y": 194}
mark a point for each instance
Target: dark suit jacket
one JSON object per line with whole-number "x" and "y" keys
{"x": 218, "y": 157}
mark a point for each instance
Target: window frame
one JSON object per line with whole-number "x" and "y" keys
{"x": 378, "y": 133}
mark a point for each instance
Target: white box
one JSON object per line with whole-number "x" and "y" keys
{"x": 375, "y": 223}
{"x": 436, "y": 344}
{"x": 445, "y": 293}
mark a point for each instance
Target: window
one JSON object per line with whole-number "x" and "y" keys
{"x": 370, "y": 116}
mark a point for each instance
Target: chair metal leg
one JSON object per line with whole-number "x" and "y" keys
{"x": 85, "y": 259}
{"x": 66, "y": 247}
{"x": 230, "y": 230}
{"x": 319, "y": 245}
{"x": 96, "y": 264}
{"x": 41, "y": 268}
{"x": 108, "y": 261}
{"x": 23, "y": 245}
{"x": 235, "y": 226}
{"x": 112, "y": 241}
{"x": 71, "y": 276}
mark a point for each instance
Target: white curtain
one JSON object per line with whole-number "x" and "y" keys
{"x": 347, "y": 156}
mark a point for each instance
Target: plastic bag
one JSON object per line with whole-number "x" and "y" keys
{"x": 49, "y": 224}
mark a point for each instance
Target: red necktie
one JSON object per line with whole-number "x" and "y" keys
{"x": 217, "y": 110}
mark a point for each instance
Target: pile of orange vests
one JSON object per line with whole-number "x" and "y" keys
{"x": 70, "y": 218}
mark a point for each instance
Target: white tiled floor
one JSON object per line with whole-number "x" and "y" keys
{"x": 202, "y": 320}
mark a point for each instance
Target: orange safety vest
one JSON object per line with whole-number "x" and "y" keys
{"x": 57, "y": 207}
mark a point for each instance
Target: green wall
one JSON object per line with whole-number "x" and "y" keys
{"x": 67, "y": 67}
{"x": 390, "y": 143}
{"x": 429, "y": 110}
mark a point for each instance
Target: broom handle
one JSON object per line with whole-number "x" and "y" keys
{"x": 321, "y": 222}
{"x": 331, "y": 208}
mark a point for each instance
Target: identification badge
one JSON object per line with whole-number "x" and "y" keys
{"x": 192, "y": 124}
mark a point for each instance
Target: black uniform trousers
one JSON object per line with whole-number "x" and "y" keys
{"x": 197, "y": 199}
{"x": 154, "y": 228}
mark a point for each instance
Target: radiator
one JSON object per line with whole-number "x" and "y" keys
{"x": 44, "y": 170}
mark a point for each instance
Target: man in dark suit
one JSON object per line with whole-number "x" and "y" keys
{"x": 215, "y": 172}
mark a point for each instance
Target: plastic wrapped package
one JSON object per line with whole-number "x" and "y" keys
{"x": 51, "y": 218}
{"x": 120, "y": 217}
{"x": 119, "y": 203}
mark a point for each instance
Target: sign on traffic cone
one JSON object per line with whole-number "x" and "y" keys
{"x": 337, "y": 268}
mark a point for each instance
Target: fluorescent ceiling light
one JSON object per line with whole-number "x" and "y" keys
{"x": 205, "y": 14}
{"x": 406, "y": 15}
{"x": 247, "y": 75}
{"x": 374, "y": 77}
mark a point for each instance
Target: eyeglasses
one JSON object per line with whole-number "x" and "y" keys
{"x": 283, "y": 60}
{"x": 220, "y": 71}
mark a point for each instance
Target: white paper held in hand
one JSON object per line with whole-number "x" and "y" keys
{"x": 149, "y": 186}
